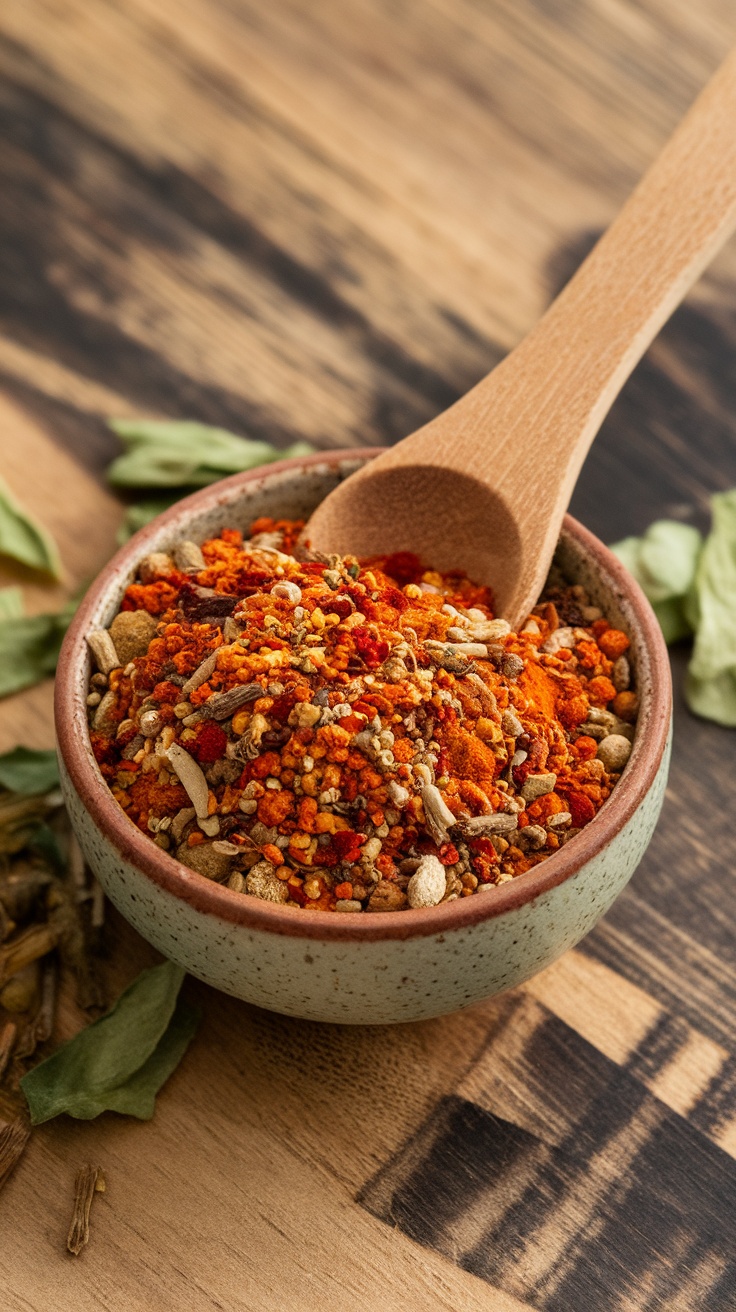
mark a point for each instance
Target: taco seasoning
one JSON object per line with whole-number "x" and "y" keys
{"x": 353, "y": 736}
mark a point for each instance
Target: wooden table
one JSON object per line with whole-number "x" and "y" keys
{"x": 326, "y": 220}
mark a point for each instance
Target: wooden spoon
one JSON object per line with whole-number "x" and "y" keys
{"x": 485, "y": 485}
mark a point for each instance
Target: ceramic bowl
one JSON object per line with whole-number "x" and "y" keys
{"x": 360, "y": 969}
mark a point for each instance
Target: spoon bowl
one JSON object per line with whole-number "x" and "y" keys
{"x": 456, "y": 522}
{"x": 484, "y": 486}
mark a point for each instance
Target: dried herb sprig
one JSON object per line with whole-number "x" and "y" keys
{"x": 29, "y": 946}
{"x": 88, "y": 1182}
{"x": 8, "y": 1035}
{"x": 14, "y": 1137}
{"x": 39, "y": 1029}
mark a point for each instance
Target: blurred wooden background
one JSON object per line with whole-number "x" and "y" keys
{"x": 326, "y": 220}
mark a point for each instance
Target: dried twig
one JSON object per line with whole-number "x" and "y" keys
{"x": 18, "y": 816}
{"x": 39, "y": 1029}
{"x": 6, "y": 924}
{"x": 7, "y": 1041}
{"x": 27, "y": 947}
{"x": 13, "y": 1139}
{"x": 89, "y": 1181}
{"x": 65, "y": 916}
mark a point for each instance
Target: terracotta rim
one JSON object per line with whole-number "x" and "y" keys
{"x": 214, "y": 899}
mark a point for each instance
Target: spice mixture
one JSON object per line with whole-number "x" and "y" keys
{"x": 338, "y": 735}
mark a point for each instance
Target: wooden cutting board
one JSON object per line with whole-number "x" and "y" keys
{"x": 323, "y": 220}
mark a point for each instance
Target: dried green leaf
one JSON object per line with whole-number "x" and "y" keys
{"x": 25, "y": 540}
{"x": 711, "y": 683}
{"x": 663, "y": 561}
{"x": 137, "y": 1096}
{"x": 183, "y": 453}
{"x": 29, "y": 648}
{"x": 11, "y": 603}
{"x": 24, "y": 770}
{"x": 119, "y": 1062}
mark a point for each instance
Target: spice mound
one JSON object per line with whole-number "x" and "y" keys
{"x": 353, "y": 736}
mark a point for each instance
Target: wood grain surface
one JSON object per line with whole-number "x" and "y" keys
{"x": 327, "y": 220}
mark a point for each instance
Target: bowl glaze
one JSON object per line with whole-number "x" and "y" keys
{"x": 360, "y": 968}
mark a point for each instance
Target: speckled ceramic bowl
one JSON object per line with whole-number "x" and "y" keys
{"x": 360, "y": 969}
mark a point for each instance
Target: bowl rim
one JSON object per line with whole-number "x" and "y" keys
{"x": 255, "y": 914}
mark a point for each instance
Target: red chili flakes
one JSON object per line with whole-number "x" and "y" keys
{"x": 404, "y": 567}
{"x": 232, "y": 536}
{"x": 396, "y": 599}
{"x": 581, "y": 809}
{"x": 483, "y": 859}
{"x": 373, "y": 651}
{"x": 584, "y": 748}
{"x": 347, "y": 843}
{"x": 331, "y": 605}
{"x": 210, "y": 743}
{"x": 601, "y": 690}
{"x": 153, "y": 597}
{"x": 386, "y": 866}
{"x": 572, "y": 712}
{"x": 268, "y": 763}
{"x": 167, "y": 692}
{"x": 448, "y": 854}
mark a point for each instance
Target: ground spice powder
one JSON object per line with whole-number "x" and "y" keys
{"x": 337, "y": 735}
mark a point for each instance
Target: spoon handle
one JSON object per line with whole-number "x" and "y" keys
{"x": 543, "y": 405}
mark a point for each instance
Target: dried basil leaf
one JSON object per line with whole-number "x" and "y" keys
{"x": 119, "y": 1062}
{"x": 183, "y": 453}
{"x": 663, "y": 561}
{"x": 29, "y": 648}
{"x": 11, "y": 603}
{"x": 25, "y": 540}
{"x": 711, "y": 682}
{"x": 24, "y": 770}
{"x": 137, "y": 1096}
